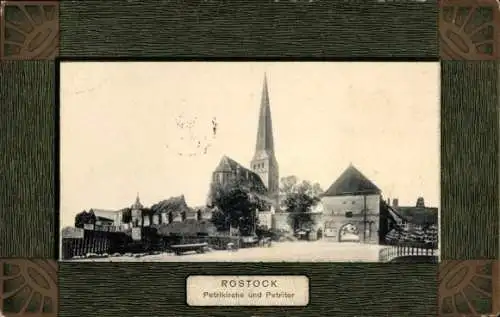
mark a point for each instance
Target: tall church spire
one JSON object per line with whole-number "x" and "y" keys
{"x": 264, "y": 161}
{"x": 265, "y": 142}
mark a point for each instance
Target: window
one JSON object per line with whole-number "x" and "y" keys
{"x": 348, "y": 214}
{"x": 344, "y": 202}
{"x": 353, "y": 202}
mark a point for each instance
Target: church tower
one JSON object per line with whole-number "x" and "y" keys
{"x": 264, "y": 161}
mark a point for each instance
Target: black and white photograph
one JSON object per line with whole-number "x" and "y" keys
{"x": 168, "y": 161}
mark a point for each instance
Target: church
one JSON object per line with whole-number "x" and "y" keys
{"x": 262, "y": 178}
{"x": 350, "y": 204}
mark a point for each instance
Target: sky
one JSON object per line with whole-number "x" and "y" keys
{"x": 120, "y": 134}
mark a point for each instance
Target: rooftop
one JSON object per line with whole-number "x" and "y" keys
{"x": 351, "y": 182}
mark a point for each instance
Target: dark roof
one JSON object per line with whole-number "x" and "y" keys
{"x": 174, "y": 204}
{"x": 351, "y": 182}
{"x": 99, "y": 218}
{"x": 419, "y": 215}
{"x": 104, "y": 213}
{"x": 228, "y": 165}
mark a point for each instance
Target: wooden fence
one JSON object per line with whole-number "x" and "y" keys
{"x": 97, "y": 242}
{"x": 91, "y": 241}
{"x": 82, "y": 242}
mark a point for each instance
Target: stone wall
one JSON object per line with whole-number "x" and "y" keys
{"x": 265, "y": 218}
{"x": 332, "y": 224}
{"x": 338, "y": 205}
{"x": 281, "y": 222}
{"x": 338, "y": 212}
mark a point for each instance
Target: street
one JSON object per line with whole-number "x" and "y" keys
{"x": 299, "y": 251}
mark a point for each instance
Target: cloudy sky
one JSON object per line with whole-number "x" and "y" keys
{"x": 120, "y": 134}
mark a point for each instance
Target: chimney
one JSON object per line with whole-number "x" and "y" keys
{"x": 395, "y": 203}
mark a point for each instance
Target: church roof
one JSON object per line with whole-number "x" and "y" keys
{"x": 265, "y": 141}
{"x": 229, "y": 165}
{"x": 352, "y": 182}
{"x": 248, "y": 177}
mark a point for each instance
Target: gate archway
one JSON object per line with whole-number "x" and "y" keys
{"x": 349, "y": 232}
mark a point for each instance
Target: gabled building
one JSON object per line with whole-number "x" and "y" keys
{"x": 229, "y": 171}
{"x": 419, "y": 214}
{"x": 349, "y": 192}
{"x": 174, "y": 209}
{"x": 351, "y": 201}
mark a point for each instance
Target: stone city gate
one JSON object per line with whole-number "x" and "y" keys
{"x": 340, "y": 229}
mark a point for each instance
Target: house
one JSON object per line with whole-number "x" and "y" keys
{"x": 351, "y": 201}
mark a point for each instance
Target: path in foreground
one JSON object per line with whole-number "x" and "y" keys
{"x": 300, "y": 251}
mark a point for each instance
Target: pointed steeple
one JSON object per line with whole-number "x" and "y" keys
{"x": 137, "y": 204}
{"x": 264, "y": 161}
{"x": 265, "y": 142}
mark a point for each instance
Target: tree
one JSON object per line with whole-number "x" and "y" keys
{"x": 298, "y": 205}
{"x": 84, "y": 218}
{"x": 235, "y": 207}
{"x": 288, "y": 184}
{"x": 291, "y": 184}
{"x": 79, "y": 219}
{"x": 298, "y": 198}
{"x": 126, "y": 215}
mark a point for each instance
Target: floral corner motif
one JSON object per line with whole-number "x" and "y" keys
{"x": 29, "y": 30}
{"x": 28, "y": 287}
{"x": 466, "y": 288}
{"x": 469, "y": 29}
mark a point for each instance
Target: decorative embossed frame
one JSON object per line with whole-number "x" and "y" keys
{"x": 29, "y": 30}
{"x": 496, "y": 287}
{"x": 28, "y": 287}
{"x": 109, "y": 39}
{"x": 469, "y": 29}
{"x": 467, "y": 288}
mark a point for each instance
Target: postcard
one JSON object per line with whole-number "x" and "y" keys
{"x": 167, "y": 161}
